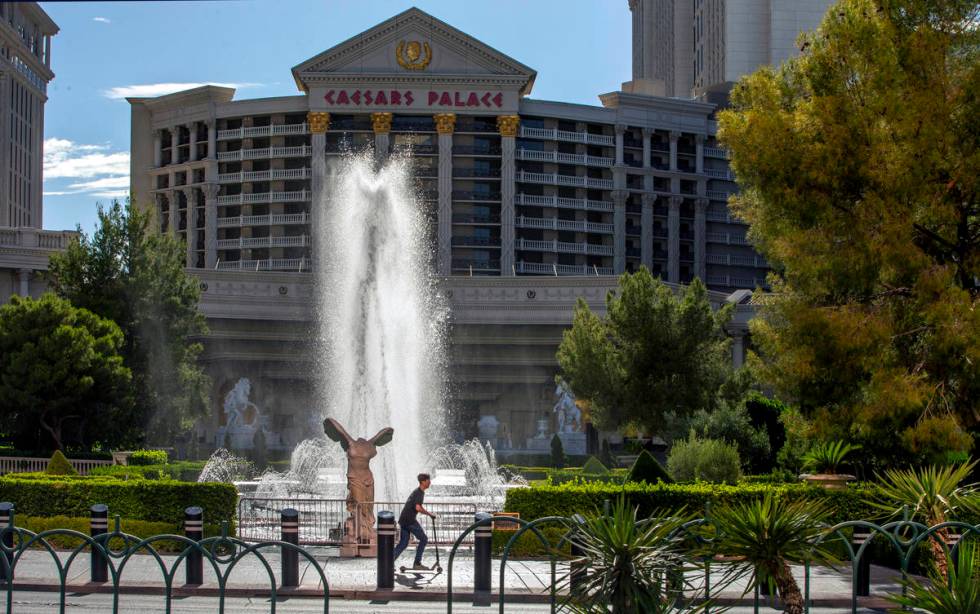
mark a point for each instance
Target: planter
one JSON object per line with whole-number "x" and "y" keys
{"x": 830, "y": 481}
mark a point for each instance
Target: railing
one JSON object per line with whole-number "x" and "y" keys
{"x": 718, "y": 173}
{"x": 717, "y": 194}
{"x": 540, "y": 268}
{"x": 475, "y": 150}
{"x": 275, "y": 130}
{"x": 464, "y": 264}
{"x": 34, "y": 237}
{"x": 570, "y": 180}
{"x": 265, "y": 197}
{"x": 727, "y": 238}
{"x": 488, "y": 173}
{"x": 285, "y": 173}
{"x": 268, "y": 264}
{"x": 28, "y": 464}
{"x": 478, "y": 196}
{"x": 254, "y": 242}
{"x": 452, "y": 519}
{"x": 464, "y": 218}
{"x": 715, "y": 152}
{"x": 563, "y": 158}
{"x": 535, "y": 200}
{"x": 730, "y": 260}
{"x": 736, "y": 282}
{"x": 551, "y": 223}
{"x": 264, "y": 220}
{"x": 564, "y": 135}
{"x": 477, "y": 242}
{"x": 564, "y": 247}
{"x": 321, "y": 521}
{"x": 266, "y": 152}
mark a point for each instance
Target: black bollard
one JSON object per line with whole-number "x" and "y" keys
{"x": 99, "y": 525}
{"x": 863, "y": 587}
{"x": 386, "y": 549}
{"x": 481, "y": 554}
{"x": 194, "y": 530}
{"x": 579, "y": 568}
{"x": 6, "y": 513}
{"x": 290, "y": 558}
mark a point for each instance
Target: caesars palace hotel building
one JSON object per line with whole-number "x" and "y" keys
{"x": 532, "y": 203}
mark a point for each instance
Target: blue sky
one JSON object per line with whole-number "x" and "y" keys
{"x": 108, "y": 50}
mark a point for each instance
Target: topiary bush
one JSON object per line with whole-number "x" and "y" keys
{"x": 148, "y": 457}
{"x": 710, "y": 460}
{"x": 186, "y": 471}
{"x": 594, "y": 466}
{"x": 558, "y": 460}
{"x": 59, "y": 465}
{"x": 647, "y": 469}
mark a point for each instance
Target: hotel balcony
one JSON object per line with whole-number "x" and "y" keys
{"x": 483, "y": 173}
{"x": 540, "y": 268}
{"x": 467, "y": 195}
{"x": 265, "y": 152}
{"x": 717, "y": 195}
{"x": 730, "y": 260}
{"x": 564, "y": 158}
{"x": 470, "y": 218}
{"x": 554, "y": 134}
{"x": 533, "y": 200}
{"x": 493, "y": 242}
{"x": 276, "y": 219}
{"x": 260, "y": 131}
{"x": 464, "y": 264}
{"x": 567, "y": 180}
{"x": 720, "y": 216}
{"x": 268, "y": 264}
{"x": 726, "y": 238}
{"x": 270, "y": 175}
{"x": 259, "y": 242}
{"x": 716, "y": 152}
{"x": 552, "y": 223}
{"x": 563, "y": 247}
{"x": 476, "y": 150}
{"x": 736, "y": 282}
{"x": 265, "y": 197}
{"x": 718, "y": 173}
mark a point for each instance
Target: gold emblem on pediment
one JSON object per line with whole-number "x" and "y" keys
{"x": 413, "y": 55}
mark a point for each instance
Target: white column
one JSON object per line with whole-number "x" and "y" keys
{"x": 211, "y": 225}
{"x": 191, "y": 228}
{"x": 212, "y": 140}
{"x": 192, "y": 141}
{"x": 157, "y": 149}
{"x": 674, "y": 135}
{"x": 445, "y": 124}
{"x": 700, "y": 208}
{"x": 620, "y": 129}
{"x": 174, "y": 214}
{"x": 646, "y": 231}
{"x": 382, "y": 128}
{"x": 646, "y": 147}
{"x": 175, "y": 145}
{"x": 507, "y": 125}
{"x": 738, "y": 348}
{"x": 319, "y": 123}
{"x": 24, "y": 277}
{"x": 619, "y": 231}
{"x": 699, "y": 151}
{"x": 674, "y": 240}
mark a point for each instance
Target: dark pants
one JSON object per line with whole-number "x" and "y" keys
{"x": 416, "y": 530}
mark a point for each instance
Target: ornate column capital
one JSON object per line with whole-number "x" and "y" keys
{"x": 620, "y": 129}
{"x": 649, "y": 200}
{"x": 381, "y": 122}
{"x": 699, "y": 139}
{"x": 507, "y": 124}
{"x": 445, "y": 122}
{"x": 700, "y": 205}
{"x": 647, "y": 133}
{"x": 211, "y": 190}
{"x": 620, "y": 196}
{"x": 675, "y": 201}
{"x": 318, "y": 121}
{"x": 674, "y": 135}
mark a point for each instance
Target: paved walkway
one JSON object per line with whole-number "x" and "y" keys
{"x": 526, "y": 580}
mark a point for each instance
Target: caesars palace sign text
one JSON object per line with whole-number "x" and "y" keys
{"x": 415, "y": 99}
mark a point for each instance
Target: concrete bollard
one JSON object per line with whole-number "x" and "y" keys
{"x": 863, "y": 586}
{"x": 290, "y": 558}
{"x": 482, "y": 567}
{"x": 386, "y": 550}
{"x": 579, "y": 569}
{"x": 6, "y": 514}
{"x": 99, "y": 525}
{"x": 194, "y": 530}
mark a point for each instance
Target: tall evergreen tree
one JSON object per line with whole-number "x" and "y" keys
{"x": 136, "y": 277}
{"x": 859, "y": 166}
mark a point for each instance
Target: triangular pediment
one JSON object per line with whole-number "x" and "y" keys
{"x": 414, "y": 46}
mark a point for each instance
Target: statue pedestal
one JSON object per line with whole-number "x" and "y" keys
{"x": 573, "y": 443}
{"x": 240, "y": 437}
{"x": 538, "y": 445}
{"x": 350, "y": 549}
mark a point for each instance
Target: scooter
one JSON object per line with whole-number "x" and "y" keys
{"x": 438, "y": 567}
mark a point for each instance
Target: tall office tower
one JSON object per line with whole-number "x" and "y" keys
{"x": 25, "y": 70}
{"x": 686, "y": 48}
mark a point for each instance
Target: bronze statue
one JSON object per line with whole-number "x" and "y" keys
{"x": 359, "y": 536}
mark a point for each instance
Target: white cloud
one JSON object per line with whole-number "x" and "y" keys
{"x": 102, "y": 19}
{"x": 151, "y": 90}
{"x": 95, "y": 168}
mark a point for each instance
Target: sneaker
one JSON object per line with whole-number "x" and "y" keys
{"x": 420, "y": 567}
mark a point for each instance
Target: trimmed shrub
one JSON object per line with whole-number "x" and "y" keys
{"x": 529, "y": 546}
{"x": 711, "y": 460}
{"x": 185, "y": 471}
{"x": 134, "y": 499}
{"x": 148, "y": 457}
{"x": 59, "y": 465}
{"x": 647, "y": 469}
{"x": 594, "y": 466}
{"x": 138, "y": 528}
{"x": 558, "y": 460}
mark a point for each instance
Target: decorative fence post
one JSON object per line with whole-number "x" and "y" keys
{"x": 862, "y": 587}
{"x": 194, "y": 529}
{"x": 578, "y": 568}
{"x": 386, "y": 549}
{"x": 6, "y": 513}
{"x": 481, "y": 554}
{"x": 290, "y": 558}
{"x": 99, "y": 525}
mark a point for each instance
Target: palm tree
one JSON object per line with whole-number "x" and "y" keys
{"x": 764, "y": 536}
{"x": 932, "y": 495}
{"x": 959, "y": 595}
{"x": 633, "y": 565}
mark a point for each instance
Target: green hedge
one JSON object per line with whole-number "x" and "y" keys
{"x": 148, "y": 457}
{"x": 134, "y": 499}
{"x": 138, "y": 528}
{"x": 528, "y": 545}
{"x": 572, "y": 498}
{"x": 186, "y": 471}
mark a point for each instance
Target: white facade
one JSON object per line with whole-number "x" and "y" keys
{"x": 25, "y": 70}
{"x": 533, "y": 203}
